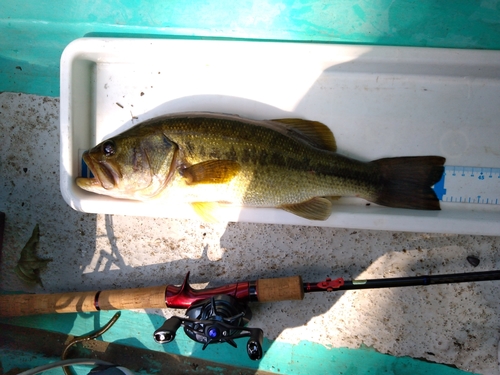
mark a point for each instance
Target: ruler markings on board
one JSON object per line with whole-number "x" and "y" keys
{"x": 469, "y": 185}
{"x": 83, "y": 170}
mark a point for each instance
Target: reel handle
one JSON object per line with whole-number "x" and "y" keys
{"x": 254, "y": 344}
{"x": 166, "y": 333}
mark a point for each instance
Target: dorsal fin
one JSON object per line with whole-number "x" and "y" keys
{"x": 314, "y": 132}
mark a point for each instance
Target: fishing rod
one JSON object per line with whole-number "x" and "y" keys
{"x": 214, "y": 315}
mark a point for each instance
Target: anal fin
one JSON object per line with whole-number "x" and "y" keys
{"x": 317, "y": 208}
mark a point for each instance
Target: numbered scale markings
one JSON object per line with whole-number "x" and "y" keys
{"x": 469, "y": 185}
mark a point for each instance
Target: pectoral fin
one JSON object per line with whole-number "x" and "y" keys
{"x": 317, "y": 208}
{"x": 211, "y": 172}
{"x": 207, "y": 211}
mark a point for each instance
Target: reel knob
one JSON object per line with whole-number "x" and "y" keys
{"x": 166, "y": 333}
{"x": 254, "y": 344}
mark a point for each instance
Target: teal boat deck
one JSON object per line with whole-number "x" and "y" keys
{"x": 36, "y": 32}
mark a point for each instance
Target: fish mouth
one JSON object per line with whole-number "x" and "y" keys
{"x": 104, "y": 175}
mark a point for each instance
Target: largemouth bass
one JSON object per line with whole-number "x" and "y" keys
{"x": 207, "y": 159}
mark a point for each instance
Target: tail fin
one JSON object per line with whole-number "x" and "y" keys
{"x": 407, "y": 182}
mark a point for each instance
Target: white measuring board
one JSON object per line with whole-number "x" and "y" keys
{"x": 378, "y": 101}
{"x": 469, "y": 185}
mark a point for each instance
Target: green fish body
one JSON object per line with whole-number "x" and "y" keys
{"x": 206, "y": 159}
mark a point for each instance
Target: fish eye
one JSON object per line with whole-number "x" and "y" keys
{"x": 108, "y": 148}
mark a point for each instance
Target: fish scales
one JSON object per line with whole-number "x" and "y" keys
{"x": 276, "y": 169}
{"x": 206, "y": 158}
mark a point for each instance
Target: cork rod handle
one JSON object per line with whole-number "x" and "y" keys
{"x": 32, "y": 304}
{"x": 268, "y": 290}
{"x": 281, "y": 289}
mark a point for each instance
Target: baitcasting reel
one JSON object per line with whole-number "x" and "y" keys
{"x": 221, "y": 318}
